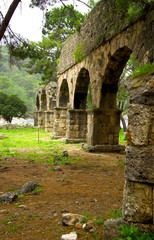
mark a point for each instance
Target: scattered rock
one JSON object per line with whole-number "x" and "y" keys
{"x": 16, "y": 214}
{"x": 65, "y": 153}
{"x": 60, "y": 180}
{"x": 78, "y": 225}
{"x": 67, "y": 163}
{"x": 48, "y": 217}
{"x": 8, "y": 197}
{"x": 28, "y": 187}
{"x": 89, "y": 227}
{"x": 107, "y": 193}
{"x": 23, "y": 206}
{"x": 4, "y": 211}
{"x": 58, "y": 168}
{"x": 64, "y": 211}
{"x": 70, "y": 236}
{"x": 70, "y": 219}
{"x": 3, "y": 136}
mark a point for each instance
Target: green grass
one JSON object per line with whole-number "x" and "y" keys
{"x": 24, "y": 138}
{"x": 114, "y": 213}
{"x": 121, "y": 136}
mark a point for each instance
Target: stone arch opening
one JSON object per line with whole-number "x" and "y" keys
{"x": 111, "y": 77}
{"x": 43, "y": 101}
{"x": 64, "y": 94}
{"x": 81, "y": 90}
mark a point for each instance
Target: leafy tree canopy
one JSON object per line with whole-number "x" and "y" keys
{"x": 60, "y": 23}
{"x": 18, "y": 82}
{"x": 11, "y": 106}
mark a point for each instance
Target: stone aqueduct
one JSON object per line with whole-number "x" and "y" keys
{"x": 106, "y": 43}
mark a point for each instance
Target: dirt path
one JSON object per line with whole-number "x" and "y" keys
{"x": 91, "y": 186}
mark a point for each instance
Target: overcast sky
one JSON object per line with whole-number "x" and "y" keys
{"x": 29, "y": 21}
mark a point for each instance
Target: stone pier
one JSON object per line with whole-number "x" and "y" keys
{"x": 138, "y": 200}
{"x": 76, "y": 125}
{"x": 103, "y": 130}
{"x": 59, "y": 126}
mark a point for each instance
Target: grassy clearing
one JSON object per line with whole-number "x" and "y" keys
{"x": 23, "y": 138}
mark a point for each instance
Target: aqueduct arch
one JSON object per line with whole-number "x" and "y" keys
{"x": 45, "y": 103}
{"x": 106, "y": 44}
{"x": 81, "y": 89}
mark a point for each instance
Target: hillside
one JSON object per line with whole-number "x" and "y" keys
{"x": 17, "y": 81}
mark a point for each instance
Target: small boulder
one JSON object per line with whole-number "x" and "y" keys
{"x": 8, "y": 197}
{"x": 28, "y": 187}
{"x": 70, "y": 236}
{"x": 70, "y": 219}
{"x": 58, "y": 168}
{"x": 65, "y": 154}
{"x": 3, "y": 136}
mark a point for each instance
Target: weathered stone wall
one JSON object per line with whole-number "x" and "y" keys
{"x": 59, "y": 126}
{"x": 138, "y": 199}
{"x": 49, "y": 120}
{"x": 103, "y": 130}
{"x": 76, "y": 125}
{"x": 107, "y": 43}
{"x": 106, "y": 62}
{"x": 45, "y": 102}
{"x": 101, "y": 25}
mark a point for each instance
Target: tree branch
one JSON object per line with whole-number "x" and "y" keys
{"x": 84, "y": 4}
{"x": 7, "y": 17}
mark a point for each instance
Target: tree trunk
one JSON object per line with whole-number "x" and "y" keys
{"x": 123, "y": 123}
{"x": 7, "y": 17}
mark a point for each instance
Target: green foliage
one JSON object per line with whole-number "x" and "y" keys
{"x": 61, "y": 159}
{"x": 79, "y": 53}
{"x": 99, "y": 38}
{"x": 11, "y": 107}
{"x": 122, "y": 95}
{"x": 133, "y": 233}
{"x": 99, "y": 221}
{"x": 60, "y": 23}
{"x": 17, "y": 82}
{"x": 92, "y": 3}
{"x": 132, "y": 8}
{"x": 141, "y": 70}
{"x": 121, "y": 136}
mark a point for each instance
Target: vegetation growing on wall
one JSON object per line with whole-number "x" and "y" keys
{"x": 144, "y": 69}
{"x": 79, "y": 53}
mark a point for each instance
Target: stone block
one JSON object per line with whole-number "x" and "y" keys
{"x": 140, "y": 164}
{"x": 139, "y": 118}
{"x": 137, "y": 202}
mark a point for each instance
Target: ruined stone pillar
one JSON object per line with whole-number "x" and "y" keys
{"x": 138, "y": 201}
{"x": 59, "y": 126}
{"x": 49, "y": 119}
{"x": 36, "y": 118}
{"x": 41, "y": 119}
{"x": 76, "y": 125}
{"x": 103, "y": 130}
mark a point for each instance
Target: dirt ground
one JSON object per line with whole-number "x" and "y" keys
{"x": 93, "y": 187}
